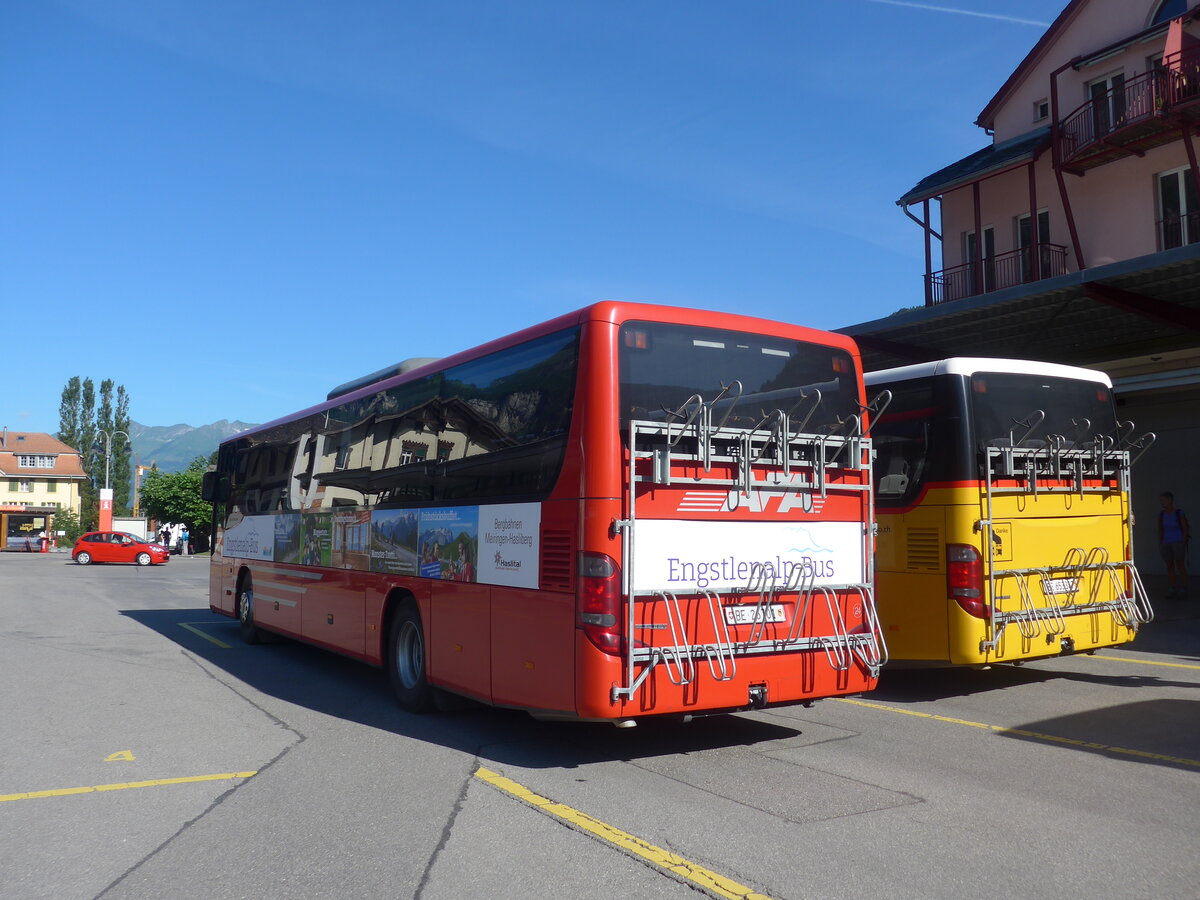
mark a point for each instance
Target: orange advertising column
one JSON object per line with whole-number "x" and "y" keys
{"x": 106, "y": 497}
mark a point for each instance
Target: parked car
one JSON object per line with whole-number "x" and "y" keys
{"x": 119, "y": 547}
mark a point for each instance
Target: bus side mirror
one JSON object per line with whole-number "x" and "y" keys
{"x": 214, "y": 487}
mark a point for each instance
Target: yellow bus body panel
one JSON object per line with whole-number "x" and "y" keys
{"x": 1031, "y": 531}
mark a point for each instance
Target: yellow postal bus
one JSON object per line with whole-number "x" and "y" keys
{"x": 1002, "y": 491}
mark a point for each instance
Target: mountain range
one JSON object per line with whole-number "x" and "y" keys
{"x": 173, "y": 447}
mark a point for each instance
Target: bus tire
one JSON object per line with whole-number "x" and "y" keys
{"x": 245, "y": 612}
{"x": 406, "y": 660}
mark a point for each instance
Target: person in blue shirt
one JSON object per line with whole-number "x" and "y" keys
{"x": 1173, "y": 536}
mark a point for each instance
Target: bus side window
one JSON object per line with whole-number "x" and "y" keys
{"x": 506, "y": 418}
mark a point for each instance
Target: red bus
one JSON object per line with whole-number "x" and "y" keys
{"x": 627, "y": 511}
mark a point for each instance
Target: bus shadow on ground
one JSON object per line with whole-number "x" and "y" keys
{"x": 921, "y": 685}
{"x": 344, "y": 688}
{"x": 1174, "y": 632}
{"x": 1163, "y": 732}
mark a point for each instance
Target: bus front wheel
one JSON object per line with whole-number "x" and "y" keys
{"x": 406, "y": 661}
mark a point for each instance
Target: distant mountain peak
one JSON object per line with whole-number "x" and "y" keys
{"x": 173, "y": 447}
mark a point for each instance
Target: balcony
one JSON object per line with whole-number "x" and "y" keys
{"x": 1132, "y": 117}
{"x": 1004, "y": 270}
{"x": 1175, "y": 231}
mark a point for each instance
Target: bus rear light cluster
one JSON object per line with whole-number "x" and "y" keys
{"x": 964, "y": 579}
{"x": 599, "y": 601}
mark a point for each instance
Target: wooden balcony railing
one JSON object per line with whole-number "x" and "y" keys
{"x": 997, "y": 272}
{"x": 1132, "y": 116}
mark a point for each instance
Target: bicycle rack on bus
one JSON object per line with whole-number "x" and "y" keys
{"x": 776, "y": 456}
{"x": 1097, "y": 464}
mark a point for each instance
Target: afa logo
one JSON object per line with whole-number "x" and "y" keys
{"x": 756, "y": 502}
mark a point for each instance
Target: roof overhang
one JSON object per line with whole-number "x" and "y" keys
{"x": 1123, "y": 310}
{"x": 986, "y": 163}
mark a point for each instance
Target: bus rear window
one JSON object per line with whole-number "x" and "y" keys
{"x": 662, "y": 366}
{"x": 1006, "y": 409}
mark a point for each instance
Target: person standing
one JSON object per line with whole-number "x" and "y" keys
{"x": 183, "y": 541}
{"x": 1174, "y": 532}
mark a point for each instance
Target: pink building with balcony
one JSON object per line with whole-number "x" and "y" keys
{"x": 1092, "y": 159}
{"x": 1074, "y": 235}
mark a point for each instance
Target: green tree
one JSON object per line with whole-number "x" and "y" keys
{"x": 66, "y": 521}
{"x": 69, "y": 412}
{"x": 122, "y": 468}
{"x": 175, "y": 497}
{"x": 89, "y": 513}
{"x": 80, "y": 424}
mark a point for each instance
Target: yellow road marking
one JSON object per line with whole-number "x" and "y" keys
{"x": 160, "y": 782}
{"x": 1146, "y": 662}
{"x": 699, "y": 876}
{"x": 194, "y": 630}
{"x": 1020, "y": 732}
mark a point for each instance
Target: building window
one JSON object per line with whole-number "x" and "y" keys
{"x": 52, "y": 487}
{"x": 26, "y": 487}
{"x": 12, "y": 485}
{"x": 342, "y": 458}
{"x": 1025, "y": 243}
{"x": 35, "y": 462}
{"x": 1178, "y": 212}
{"x": 412, "y": 452}
{"x": 1108, "y": 103}
{"x": 987, "y": 280}
{"x": 1041, "y": 110}
{"x": 1168, "y": 10}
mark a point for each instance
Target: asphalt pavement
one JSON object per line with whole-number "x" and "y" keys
{"x": 146, "y": 752}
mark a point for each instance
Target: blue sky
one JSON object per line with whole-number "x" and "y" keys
{"x": 231, "y": 207}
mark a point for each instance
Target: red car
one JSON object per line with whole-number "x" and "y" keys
{"x": 119, "y": 547}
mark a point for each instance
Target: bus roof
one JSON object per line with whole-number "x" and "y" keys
{"x": 613, "y": 311}
{"x": 970, "y": 365}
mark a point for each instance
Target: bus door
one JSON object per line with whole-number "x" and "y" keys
{"x": 916, "y": 514}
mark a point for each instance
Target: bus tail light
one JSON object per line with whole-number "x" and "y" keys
{"x": 599, "y": 601}
{"x": 964, "y": 579}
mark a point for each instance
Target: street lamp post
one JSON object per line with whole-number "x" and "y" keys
{"x": 106, "y": 494}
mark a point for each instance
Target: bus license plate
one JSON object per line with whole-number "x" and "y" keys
{"x": 752, "y": 614}
{"x": 1060, "y": 585}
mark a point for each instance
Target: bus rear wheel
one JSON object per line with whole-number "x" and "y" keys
{"x": 406, "y": 661}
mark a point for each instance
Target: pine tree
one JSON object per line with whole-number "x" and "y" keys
{"x": 80, "y": 424}
{"x": 89, "y": 513}
{"x": 122, "y": 471}
{"x": 68, "y": 414}
{"x": 106, "y": 441}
